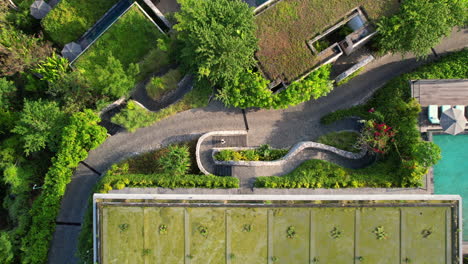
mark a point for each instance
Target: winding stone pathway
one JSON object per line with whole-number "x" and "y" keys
{"x": 279, "y": 128}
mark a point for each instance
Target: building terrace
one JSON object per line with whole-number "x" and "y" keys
{"x": 285, "y": 27}
{"x": 143, "y": 228}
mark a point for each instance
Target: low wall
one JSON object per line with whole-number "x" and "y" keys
{"x": 209, "y": 134}
{"x": 296, "y": 149}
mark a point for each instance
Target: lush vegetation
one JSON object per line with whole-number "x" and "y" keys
{"x": 134, "y": 116}
{"x": 284, "y": 29}
{"x": 408, "y": 156}
{"x": 110, "y": 64}
{"x": 160, "y": 86}
{"x": 345, "y": 140}
{"x": 20, "y": 52}
{"x": 217, "y": 37}
{"x": 322, "y": 174}
{"x": 250, "y": 90}
{"x": 80, "y": 136}
{"x": 420, "y": 25}
{"x": 70, "y": 19}
{"x": 263, "y": 153}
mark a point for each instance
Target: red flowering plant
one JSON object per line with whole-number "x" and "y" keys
{"x": 376, "y": 136}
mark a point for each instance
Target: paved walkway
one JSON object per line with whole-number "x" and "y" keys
{"x": 280, "y": 128}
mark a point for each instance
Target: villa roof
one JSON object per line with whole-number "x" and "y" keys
{"x": 440, "y": 92}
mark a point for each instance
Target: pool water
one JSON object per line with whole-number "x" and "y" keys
{"x": 451, "y": 173}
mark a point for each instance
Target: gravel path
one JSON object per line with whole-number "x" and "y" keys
{"x": 279, "y": 128}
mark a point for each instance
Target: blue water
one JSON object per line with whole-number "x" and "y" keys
{"x": 451, "y": 173}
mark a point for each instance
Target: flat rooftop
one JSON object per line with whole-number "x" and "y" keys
{"x": 283, "y": 229}
{"x": 284, "y": 28}
{"x": 440, "y": 92}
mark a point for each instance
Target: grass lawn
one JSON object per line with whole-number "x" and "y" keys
{"x": 345, "y": 140}
{"x": 129, "y": 40}
{"x": 160, "y": 86}
{"x": 207, "y": 247}
{"x": 131, "y": 233}
{"x": 369, "y": 246}
{"x": 70, "y": 19}
{"x": 166, "y": 247}
{"x": 248, "y": 246}
{"x": 284, "y": 29}
{"x": 324, "y": 220}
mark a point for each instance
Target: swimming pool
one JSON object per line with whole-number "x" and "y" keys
{"x": 451, "y": 173}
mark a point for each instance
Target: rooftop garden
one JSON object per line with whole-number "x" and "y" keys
{"x": 110, "y": 64}
{"x": 280, "y": 234}
{"x": 284, "y": 28}
{"x": 70, "y": 19}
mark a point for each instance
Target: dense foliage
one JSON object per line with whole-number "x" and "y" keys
{"x": 377, "y": 137}
{"x": 263, "y": 153}
{"x": 40, "y": 125}
{"x": 20, "y": 52}
{"x": 420, "y": 25}
{"x": 393, "y": 105}
{"x": 70, "y": 19}
{"x": 218, "y": 38}
{"x": 81, "y": 135}
{"x": 250, "y": 90}
{"x": 52, "y": 68}
{"x": 322, "y": 174}
{"x": 176, "y": 161}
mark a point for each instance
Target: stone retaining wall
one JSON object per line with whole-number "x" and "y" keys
{"x": 295, "y": 150}
{"x": 209, "y": 134}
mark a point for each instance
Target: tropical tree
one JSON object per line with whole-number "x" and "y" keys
{"x": 113, "y": 80}
{"x": 218, "y": 38}
{"x": 420, "y": 25}
{"x": 40, "y": 125}
{"x": 52, "y": 68}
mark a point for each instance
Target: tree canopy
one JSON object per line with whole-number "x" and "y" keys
{"x": 218, "y": 38}
{"x": 420, "y": 25}
{"x": 40, "y": 125}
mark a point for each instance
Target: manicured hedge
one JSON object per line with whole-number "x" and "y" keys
{"x": 81, "y": 135}
{"x": 110, "y": 182}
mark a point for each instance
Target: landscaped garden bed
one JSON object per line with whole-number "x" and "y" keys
{"x": 345, "y": 140}
{"x": 70, "y": 19}
{"x": 262, "y": 153}
{"x": 284, "y": 29}
{"x": 158, "y": 87}
{"x": 110, "y": 63}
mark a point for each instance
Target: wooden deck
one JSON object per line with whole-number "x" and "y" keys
{"x": 440, "y": 92}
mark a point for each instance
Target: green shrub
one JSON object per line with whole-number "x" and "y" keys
{"x": 167, "y": 181}
{"x": 159, "y": 86}
{"x": 81, "y": 135}
{"x": 52, "y": 68}
{"x": 176, "y": 161}
{"x": 321, "y": 45}
{"x": 133, "y": 117}
{"x": 323, "y": 174}
{"x": 263, "y": 153}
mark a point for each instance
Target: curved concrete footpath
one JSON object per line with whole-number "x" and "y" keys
{"x": 278, "y": 128}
